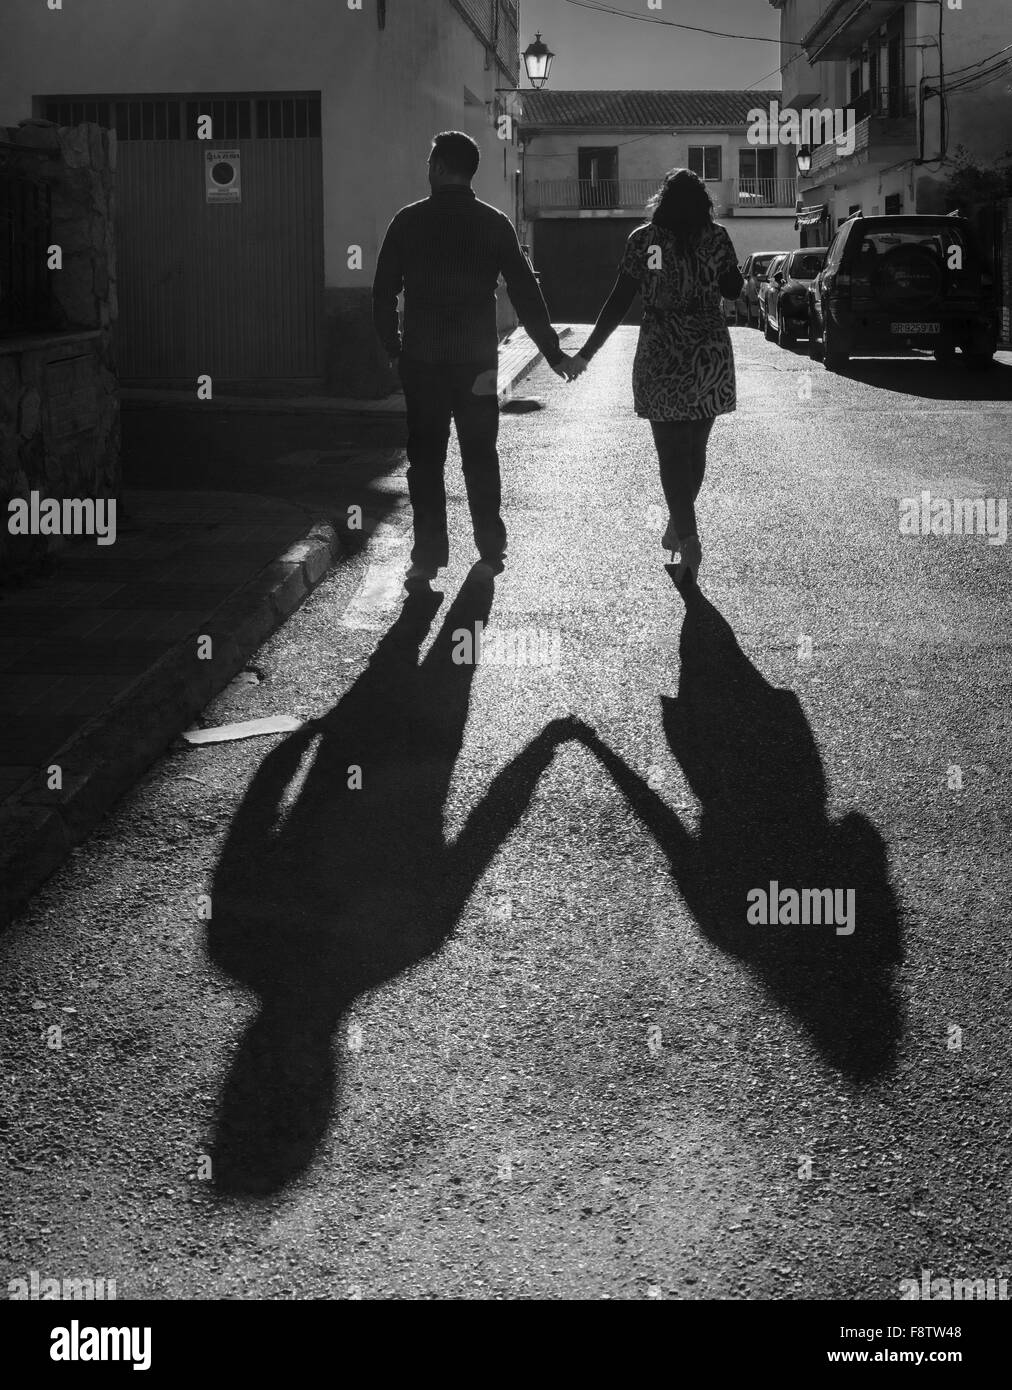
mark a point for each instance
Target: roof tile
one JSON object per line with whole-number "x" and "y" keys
{"x": 642, "y": 109}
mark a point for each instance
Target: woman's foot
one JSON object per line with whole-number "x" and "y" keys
{"x": 685, "y": 573}
{"x": 670, "y": 541}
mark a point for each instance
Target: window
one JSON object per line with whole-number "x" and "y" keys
{"x": 757, "y": 177}
{"x": 705, "y": 161}
{"x": 175, "y": 118}
{"x": 757, "y": 163}
{"x": 69, "y": 112}
{"x": 835, "y": 252}
{"x": 854, "y": 207}
{"x": 598, "y": 175}
{"x": 893, "y": 204}
{"x": 805, "y": 265}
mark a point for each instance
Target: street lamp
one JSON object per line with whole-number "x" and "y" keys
{"x": 538, "y": 62}
{"x": 804, "y": 159}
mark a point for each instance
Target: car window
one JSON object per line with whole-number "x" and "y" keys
{"x": 760, "y": 264}
{"x": 835, "y": 251}
{"x": 805, "y": 265}
{"x": 938, "y": 239}
{"x": 773, "y": 267}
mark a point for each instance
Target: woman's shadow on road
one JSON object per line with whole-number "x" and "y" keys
{"x": 336, "y": 879}
{"x": 326, "y": 889}
{"x": 752, "y": 761}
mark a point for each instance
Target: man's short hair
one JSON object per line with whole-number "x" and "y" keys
{"x": 457, "y": 152}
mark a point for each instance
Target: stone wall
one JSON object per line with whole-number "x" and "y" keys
{"x": 59, "y": 398}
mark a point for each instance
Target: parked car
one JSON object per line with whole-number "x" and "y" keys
{"x": 753, "y": 269}
{"x": 906, "y": 281}
{"x": 764, "y": 284}
{"x": 786, "y": 300}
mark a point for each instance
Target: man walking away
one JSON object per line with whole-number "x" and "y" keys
{"x": 447, "y": 252}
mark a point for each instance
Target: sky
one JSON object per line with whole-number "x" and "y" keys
{"x": 602, "y": 50}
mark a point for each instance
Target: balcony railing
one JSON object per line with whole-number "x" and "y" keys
{"x": 764, "y": 193}
{"x": 616, "y": 195}
{"x": 885, "y": 122}
{"x": 891, "y": 102}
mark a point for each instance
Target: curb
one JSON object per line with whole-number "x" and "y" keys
{"x": 106, "y": 757}
{"x": 527, "y": 367}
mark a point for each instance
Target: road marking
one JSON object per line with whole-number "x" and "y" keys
{"x": 382, "y": 587}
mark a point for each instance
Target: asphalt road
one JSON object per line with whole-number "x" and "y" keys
{"x": 493, "y": 1024}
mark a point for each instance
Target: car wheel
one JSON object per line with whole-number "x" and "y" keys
{"x": 834, "y": 357}
{"x": 814, "y": 342}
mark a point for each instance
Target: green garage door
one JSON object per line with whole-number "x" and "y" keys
{"x": 577, "y": 259}
{"x": 219, "y": 242}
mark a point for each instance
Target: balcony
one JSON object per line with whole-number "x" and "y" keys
{"x": 763, "y": 195}
{"x": 843, "y": 26}
{"x": 885, "y": 129}
{"x": 893, "y": 103}
{"x": 600, "y": 196}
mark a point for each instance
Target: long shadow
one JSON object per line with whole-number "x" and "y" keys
{"x": 752, "y": 761}
{"x": 326, "y": 889}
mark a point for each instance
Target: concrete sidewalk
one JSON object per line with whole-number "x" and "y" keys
{"x": 517, "y": 357}
{"x": 99, "y": 662}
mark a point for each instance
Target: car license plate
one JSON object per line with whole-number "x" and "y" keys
{"x": 908, "y": 328}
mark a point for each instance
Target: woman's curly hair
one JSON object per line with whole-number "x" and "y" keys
{"x": 682, "y": 205}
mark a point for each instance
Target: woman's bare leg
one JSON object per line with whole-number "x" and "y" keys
{"x": 676, "y": 457}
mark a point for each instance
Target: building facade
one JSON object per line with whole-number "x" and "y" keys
{"x": 920, "y": 80}
{"x": 591, "y": 159}
{"x": 261, "y": 150}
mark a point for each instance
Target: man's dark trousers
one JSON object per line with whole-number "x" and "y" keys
{"x": 466, "y": 393}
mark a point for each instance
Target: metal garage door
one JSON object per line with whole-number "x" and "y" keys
{"x": 577, "y": 259}
{"x": 229, "y": 288}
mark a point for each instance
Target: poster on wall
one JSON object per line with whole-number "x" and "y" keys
{"x": 222, "y": 176}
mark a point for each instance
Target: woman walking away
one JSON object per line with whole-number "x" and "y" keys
{"x": 682, "y": 263}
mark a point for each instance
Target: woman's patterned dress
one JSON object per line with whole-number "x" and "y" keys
{"x": 684, "y": 365}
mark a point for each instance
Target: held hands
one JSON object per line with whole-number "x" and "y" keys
{"x": 570, "y": 367}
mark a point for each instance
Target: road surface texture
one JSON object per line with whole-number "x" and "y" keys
{"x": 452, "y": 993}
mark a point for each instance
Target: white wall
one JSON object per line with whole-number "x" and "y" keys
{"x": 750, "y": 234}
{"x": 555, "y": 155}
{"x": 384, "y": 93}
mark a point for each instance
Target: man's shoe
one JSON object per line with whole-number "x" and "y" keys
{"x": 419, "y": 577}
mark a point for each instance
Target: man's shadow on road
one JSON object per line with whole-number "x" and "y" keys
{"x": 752, "y": 761}
{"x": 325, "y": 889}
